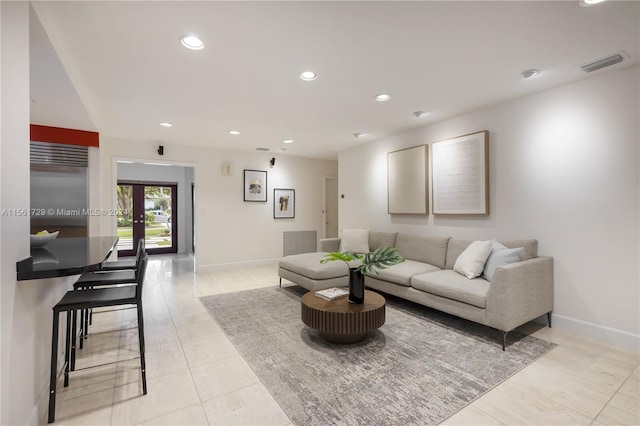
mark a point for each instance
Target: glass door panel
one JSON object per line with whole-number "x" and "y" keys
{"x": 157, "y": 204}
{"x": 125, "y": 217}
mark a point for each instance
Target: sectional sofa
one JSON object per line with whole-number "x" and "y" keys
{"x": 504, "y": 298}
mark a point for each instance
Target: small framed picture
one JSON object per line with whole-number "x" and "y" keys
{"x": 284, "y": 203}
{"x": 255, "y": 185}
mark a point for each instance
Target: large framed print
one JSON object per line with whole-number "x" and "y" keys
{"x": 255, "y": 185}
{"x": 407, "y": 176}
{"x": 284, "y": 203}
{"x": 460, "y": 174}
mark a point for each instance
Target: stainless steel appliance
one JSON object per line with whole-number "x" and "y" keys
{"x": 59, "y": 189}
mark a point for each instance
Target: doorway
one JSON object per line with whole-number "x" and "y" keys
{"x": 149, "y": 211}
{"x": 330, "y": 207}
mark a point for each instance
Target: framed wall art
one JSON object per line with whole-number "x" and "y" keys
{"x": 284, "y": 203}
{"x": 407, "y": 176}
{"x": 255, "y": 185}
{"x": 460, "y": 174}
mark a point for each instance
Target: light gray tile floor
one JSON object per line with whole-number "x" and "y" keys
{"x": 196, "y": 376}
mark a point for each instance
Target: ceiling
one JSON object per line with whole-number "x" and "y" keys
{"x": 119, "y": 68}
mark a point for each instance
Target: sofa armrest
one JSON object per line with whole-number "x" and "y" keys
{"x": 520, "y": 292}
{"x": 329, "y": 244}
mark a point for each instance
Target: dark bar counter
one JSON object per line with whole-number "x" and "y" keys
{"x": 66, "y": 256}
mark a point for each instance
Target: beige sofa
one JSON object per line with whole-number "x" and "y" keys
{"x": 517, "y": 293}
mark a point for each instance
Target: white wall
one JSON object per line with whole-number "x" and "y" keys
{"x": 25, "y": 305}
{"x": 229, "y": 231}
{"x": 564, "y": 170}
{"x": 137, "y": 172}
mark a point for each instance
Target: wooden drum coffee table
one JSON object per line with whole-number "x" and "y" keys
{"x": 339, "y": 321}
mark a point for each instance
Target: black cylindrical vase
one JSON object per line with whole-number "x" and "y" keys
{"x": 356, "y": 286}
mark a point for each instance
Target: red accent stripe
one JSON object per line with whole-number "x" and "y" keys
{"x": 65, "y": 136}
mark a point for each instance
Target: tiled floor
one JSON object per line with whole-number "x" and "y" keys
{"x": 196, "y": 376}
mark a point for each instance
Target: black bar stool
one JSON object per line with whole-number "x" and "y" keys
{"x": 108, "y": 275}
{"x": 120, "y": 265}
{"x": 73, "y": 301}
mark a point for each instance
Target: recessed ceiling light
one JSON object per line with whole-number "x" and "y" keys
{"x": 382, "y": 97}
{"x": 529, "y": 73}
{"x": 308, "y": 76}
{"x": 234, "y": 132}
{"x": 166, "y": 124}
{"x": 287, "y": 140}
{"x": 587, "y": 3}
{"x": 419, "y": 114}
{"x": 192, "y": 42}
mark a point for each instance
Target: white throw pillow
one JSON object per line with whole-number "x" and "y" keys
{"x": 500, "y": 256}
{"x": 354, "y": 240}
{"x": 471, "y": 261}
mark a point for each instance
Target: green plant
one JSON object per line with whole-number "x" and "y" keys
{"x": 123, "y": 222}
{"x": 381, "y": 258}
{"x": 149, "y": 218}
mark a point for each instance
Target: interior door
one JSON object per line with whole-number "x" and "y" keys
{"x": 149, "y": 211}
{"x": 331, "y": 208}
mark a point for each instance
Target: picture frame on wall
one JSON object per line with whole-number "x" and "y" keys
{"x": 284, "y": 203}
{"x": 255, "y": 185}
{"x": 407, "y": 181}
{"x": 460, "y": 174}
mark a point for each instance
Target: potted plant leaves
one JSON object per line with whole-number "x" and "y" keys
{"x": 381, "y": 258}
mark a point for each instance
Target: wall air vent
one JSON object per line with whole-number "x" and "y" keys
{"x": 56, "y": 154}
{"x": 604, "y": 62}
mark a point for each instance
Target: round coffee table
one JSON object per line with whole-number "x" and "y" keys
{"x": 339, "y": 321}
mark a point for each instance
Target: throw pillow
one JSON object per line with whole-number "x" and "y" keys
{"x": 354, "y": 240}
{"x": 471, "y": 261}
{"x": 500, "y": 256}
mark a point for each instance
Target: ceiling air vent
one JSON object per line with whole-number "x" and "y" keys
{"x": 604, "y": 62}
{"x": 262, "y": 149}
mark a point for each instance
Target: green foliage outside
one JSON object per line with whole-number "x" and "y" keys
{"x": 125, "y": 221}
{"x": 160, "y": 231}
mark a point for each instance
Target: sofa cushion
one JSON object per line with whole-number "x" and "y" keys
{"x": 308, "y": 265}
{"x": 500, "y": 256}
{"x": 354, "y": 240}
{"x": 381, "y": 239}
{"x": 401, "y": 273}
{"x": 432, "y": 250}
{"x": 530, "y": 247}
{"x": 457, "y": 246}
{"x": 452, "y": 285}
{"x": 471, "y": 261}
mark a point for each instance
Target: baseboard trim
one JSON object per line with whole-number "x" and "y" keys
{"x": 234, "y": 265}
{"x": 620, "y": 338}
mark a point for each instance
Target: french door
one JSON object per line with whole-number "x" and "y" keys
{"x": 149, "y": 211}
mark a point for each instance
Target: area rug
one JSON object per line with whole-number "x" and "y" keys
{"x": 419, "y": 368}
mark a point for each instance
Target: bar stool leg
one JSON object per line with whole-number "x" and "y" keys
{"x": 82, "y": 329}
{"x": 84, "y": 319}
{"x": 54, "y": 369}
{"x": 74, "y": 321}
{"x": 86, "y": 323}
{"x": 67, "y": 351}
{"x": 142, "y": 349}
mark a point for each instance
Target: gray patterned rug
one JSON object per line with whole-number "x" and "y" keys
{"x": 419, "y": 368}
